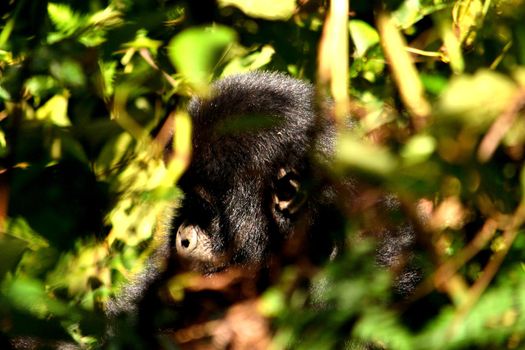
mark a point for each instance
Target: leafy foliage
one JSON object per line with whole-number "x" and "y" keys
{"x": 90, "y": 91}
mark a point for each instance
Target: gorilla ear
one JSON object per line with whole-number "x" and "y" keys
{"x": 289, "y": 195}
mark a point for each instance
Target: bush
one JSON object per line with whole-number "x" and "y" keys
{"x": 90, "y": 89}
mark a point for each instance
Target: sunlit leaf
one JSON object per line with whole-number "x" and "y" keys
{"x": 41, "y": 85}
{"x": 418, "y": 149}
{"x": 363, "y": 36}
{"x": 465, "y": 95}
{"x": 63, "y": 17}
{"x": 273, "y": 303}
{"x": 106, "y": 18}
{"x": 20, "y": 290}
{"x": 3, "y": 144}
{"x": 143, "y": 41}
{"x": 354, "y": 153}
{"x": 467, "y": 15}
{"x": 19, "y": 228}
{"x": 250, "y": 62}
{"x": 55, "y": 111}
{"x": 108, "y": 71}
{"x": 269, "y": 9}
{"x": 196, "y": 51}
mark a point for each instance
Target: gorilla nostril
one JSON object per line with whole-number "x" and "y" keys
{"x": 185, "y": 243}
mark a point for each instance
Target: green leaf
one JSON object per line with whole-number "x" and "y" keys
{"x": 55, "y": 110}
{"x": 412, "y": 11}
{"x": 12, "y": 249}
{"x": 268, "y": 9}
{"x": 3, "y": 144}
{"x": 196, "y": 51}
{"x": 108, "y": 71}
{"x": 476, "y": 100}
{"x": 352, "y": 152}
{"x": 69, "y": 72}
{"x": 41, "y": 85}
{"x": 30, "y": 295}
{"x": 253, "y": 61}
{"x": 273, "y": 302}
{"x": 19, "y": 228}
{"x": 64, "y": 19}
{"x": 364, "y": 36}
{"x": 143, "y": 41}
{"x": 418, "y": 149}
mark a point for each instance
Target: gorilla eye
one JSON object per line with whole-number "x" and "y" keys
{"x": 198, "y": 210}
{"x": 289, "y": 195}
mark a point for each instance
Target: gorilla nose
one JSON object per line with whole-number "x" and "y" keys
{"x": 186, "y": 240}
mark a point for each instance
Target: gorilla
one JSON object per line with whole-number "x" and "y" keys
{"x": 258, "y": 145}
{"x": 259, "y": 178}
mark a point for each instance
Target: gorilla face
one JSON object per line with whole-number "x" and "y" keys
{"x": 246, "y": 189}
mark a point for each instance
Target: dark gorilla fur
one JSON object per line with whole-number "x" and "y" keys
{"x": 257, "y": 180}
{"x": 255, "y": 128}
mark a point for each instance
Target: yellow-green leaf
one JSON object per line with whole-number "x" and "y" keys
{"x": 268, "y": 9}
{"x": 196, "y": 51}
{"x": 55, "y": 111}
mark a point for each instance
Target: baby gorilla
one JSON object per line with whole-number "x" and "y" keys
{"x": 256, "y": 176}
{"x": 258, "y": 180}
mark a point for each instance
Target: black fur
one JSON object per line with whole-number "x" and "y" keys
{"x": 252, "y": 126}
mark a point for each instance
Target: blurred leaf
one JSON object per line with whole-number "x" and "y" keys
{"x": 490, "y": 323}
{"x": 114, "y": 154}
{"x": 106, "y": 18}
{"x": 55, "y": 111}
{"x": 269, "y": 9}
{"x": 3, "y": 144}
{"x": 90, "y": 29}
{"x": 68, "y": 72}
{"x": 463, "y": 97}
{"x": 390, "y": 334}
{"x": 273, "y": 302}
{"x": 143, "y": 41}
{"x": 182, "y": 143}
{"x": 253, "y": 61}
{"x": 64, "y": 19}
{"x": 412, "y": 11}
{"x": 108, "y": 70}
{"x": 42, "y": 85}
{"x": 19, "y": 228}
{"x": 19, "y": 291}
{"x": 434, "y": 84}
{"x": 418, "y": 149}
{"x": 363, "y": 36}
{"x": 196, "y": 51}
{"x": 467, "y": 16}
{"x": 354, "y": 153}
{"x": 76, "y": 271}
{"x": 12, "y": 249}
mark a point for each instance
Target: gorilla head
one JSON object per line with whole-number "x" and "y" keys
{"x": 258, "y": 142}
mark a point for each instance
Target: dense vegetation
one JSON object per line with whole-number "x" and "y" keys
{"x": 90, "y": 89}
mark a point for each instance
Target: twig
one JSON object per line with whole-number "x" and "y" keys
{"x": 500, "y": 127}
{"x": 149, "y": 60}
{"x": 333, "y": 57}
{"x": 403, "y": 70}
